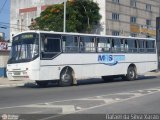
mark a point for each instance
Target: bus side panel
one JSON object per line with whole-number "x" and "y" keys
{"x": 144, "y": 62}
{"x": 33, "y": 69}
{"x": 96, "y": 68}
{"x": 51, "y": 69}
{"x": 89, "y": 65}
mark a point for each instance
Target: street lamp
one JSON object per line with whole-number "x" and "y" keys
{"x": 64, "y": 24}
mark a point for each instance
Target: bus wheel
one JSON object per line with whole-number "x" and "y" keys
{"x": 131, "y": 73}
{"x": 66, "y": 78}
{"x": 42, "y": 83}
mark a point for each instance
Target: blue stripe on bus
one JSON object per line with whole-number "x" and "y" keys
{"x": 95, "y": 63}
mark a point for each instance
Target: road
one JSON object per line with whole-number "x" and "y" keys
{"x": 93, "y": 99}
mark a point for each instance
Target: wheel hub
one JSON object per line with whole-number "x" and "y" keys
{"x": 131, "y": 73}
{"x": 66, "y": 77}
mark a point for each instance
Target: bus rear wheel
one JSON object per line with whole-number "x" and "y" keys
{"x": 131, "y": 73}
{"x": 66, "y": 78}
{"x": 42, "y": 83}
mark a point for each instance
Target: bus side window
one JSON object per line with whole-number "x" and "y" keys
{"x": 150, "y": 46}
{"x": 122, "y": 45}
{"x": 132, "y": 45}
{"x": 100, "y": 44}
{"x": 141, "y": 46}
{"x": 63, "y": 43}
{"x": 50, "y": 45}
{"x": 112, "y": 45}
{"x": 89, "y": 44}
{"x": 103, "y": 44}
{"x": 153, "y": 47}
{"x": 126, "y": 45}
{"x": 76, "y": 43}
{"x": 81, "y": 45}
{"x": 67, "y": 43}
{"x": 45, "y": 43}
{"x": 116, "y": 45}
{"x": 136, "y": 46}
{"x": 42, "y": 43}
{"x": 70, "y": 43}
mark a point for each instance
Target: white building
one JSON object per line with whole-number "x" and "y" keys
{"x": 23, "y": 11}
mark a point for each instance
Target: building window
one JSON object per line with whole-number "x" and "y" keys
{"x": 115, "y": 16}
{"x": 133, "y": 35}
{"x": 148, "y": 36}
{"x": 133, "y": 19}
{"x": 148, "y": 7}
{"x": 133, "y": 3}
{"x": 148, "y": 22}
{"x": 115, "y": 33}
{"x": 115, "y": 1}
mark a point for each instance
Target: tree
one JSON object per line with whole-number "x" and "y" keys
{"x": 81, "y": 16}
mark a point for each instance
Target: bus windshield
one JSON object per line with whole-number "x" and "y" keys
{"x": 25, "y": 47}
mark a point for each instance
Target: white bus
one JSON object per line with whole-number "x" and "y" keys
{"x": 43, "y": 56}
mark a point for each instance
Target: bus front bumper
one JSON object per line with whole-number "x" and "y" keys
{"x": 17, "y": 75}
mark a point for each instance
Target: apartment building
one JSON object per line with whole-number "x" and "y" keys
{"x": 132, "y": 17}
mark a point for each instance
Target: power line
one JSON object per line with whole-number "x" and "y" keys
{"x": 4, "y": 23}
{"x": 17, "y": 28}
{"x": 3, "y": 6}
{"x": 13, "y": 27}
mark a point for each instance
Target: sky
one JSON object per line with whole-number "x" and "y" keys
{"x": 5, "y": 17}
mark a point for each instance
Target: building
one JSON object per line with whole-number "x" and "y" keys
{"x": 2, "y": 36}
{"x": 4, "y": 54}
{"x": 23, "y": 12}
{"x": 132, "y": 17}
{"x": 119, "y": 17}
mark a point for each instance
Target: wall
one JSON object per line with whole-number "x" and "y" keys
{"x": 4, "y": 54}
{"x": 3, "y": 62}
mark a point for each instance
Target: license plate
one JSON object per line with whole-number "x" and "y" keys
{"x": 17, "y": 73}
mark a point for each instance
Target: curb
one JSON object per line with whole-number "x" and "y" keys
{"x": 153, "y": 74}
{"x": 11, "y": 85}
{"x": 16, "y": 85}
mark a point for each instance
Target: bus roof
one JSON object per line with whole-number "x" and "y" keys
{"x": 82, "y": 34}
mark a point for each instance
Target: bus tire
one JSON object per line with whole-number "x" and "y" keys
{"x": 42, "y": 83}
{"x": 131, "y": 73}
{"x": 66, "y": 78}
